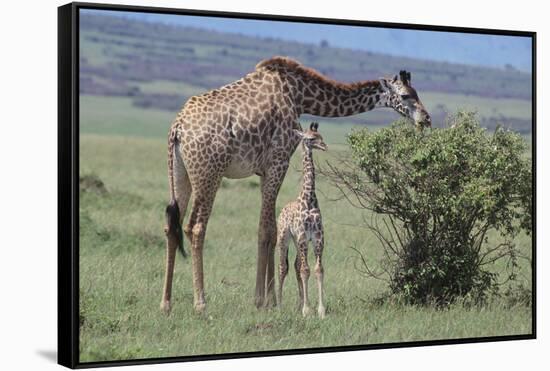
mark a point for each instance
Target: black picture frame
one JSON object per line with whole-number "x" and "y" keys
{"x": 68, "y": 183}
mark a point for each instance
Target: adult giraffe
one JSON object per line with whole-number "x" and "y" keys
{"x": 245, "y": 128}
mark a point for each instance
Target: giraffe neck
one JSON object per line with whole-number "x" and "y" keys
{"x": 317, "y": 97}
{"x": 308, "y": 182}
{"x": 313, "y": 93}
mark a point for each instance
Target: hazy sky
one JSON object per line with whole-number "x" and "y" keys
{"x": 488, "y": 50}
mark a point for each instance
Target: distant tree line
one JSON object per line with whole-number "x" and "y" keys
{"x": 232, "y": 55}
{"x": 119, "y": 53}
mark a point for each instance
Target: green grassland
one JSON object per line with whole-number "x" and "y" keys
{"x": 122, "y": 257}
{"x": 117, "y": 116}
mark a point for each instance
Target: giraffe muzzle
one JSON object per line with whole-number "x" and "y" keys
{"x": 425, "y": 121}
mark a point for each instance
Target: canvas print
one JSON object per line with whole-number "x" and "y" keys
{"x": 250, "y": 185}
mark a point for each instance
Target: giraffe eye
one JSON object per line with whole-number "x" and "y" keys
{"x": 405, "y": 96}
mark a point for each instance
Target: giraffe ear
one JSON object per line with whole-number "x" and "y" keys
{"x": 299, "y": 133}
{"x": 405, "y": 77}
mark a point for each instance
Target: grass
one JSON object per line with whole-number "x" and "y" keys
{"x": 117, "y": 116}
{"x": 122, "y": 261}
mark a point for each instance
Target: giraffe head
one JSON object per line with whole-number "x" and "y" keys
{"x": 311, "y": 138}
{"x": 402, "y": 97}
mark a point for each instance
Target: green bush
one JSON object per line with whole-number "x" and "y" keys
{"x": 436, "y": 196}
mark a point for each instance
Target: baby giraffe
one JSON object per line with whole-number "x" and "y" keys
{"x": 301, "y": 219}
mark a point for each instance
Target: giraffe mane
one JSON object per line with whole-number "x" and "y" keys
{"x": 290, "y": 64}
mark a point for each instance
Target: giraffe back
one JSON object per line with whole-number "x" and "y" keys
{"x": 248, "y": 120}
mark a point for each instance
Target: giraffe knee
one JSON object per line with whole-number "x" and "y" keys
{"x": 304, "y": 270}
{"x": 283, "y": 268}
{"x": 195, "y": 233}
{"x": 269, "y": 234}
{"x": 188, "y": 230}
{"x": 198, "y": 230}
{"x": 319, "y": 270}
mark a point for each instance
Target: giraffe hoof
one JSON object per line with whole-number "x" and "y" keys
{"x": 200, "y": 307}
{"x": 321, "y": 312}
{"x": 270, "y": 303}
{"x": 165, "y": 306}
{"x": 306, "y": 311}
{"x": 259, "y": 302}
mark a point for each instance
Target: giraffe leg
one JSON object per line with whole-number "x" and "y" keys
{"x": 270, "y": 297}
{"x": 299, "y": 279}
{"x": 304, "y": 275}
{"x": 319, "y": 273}
{"x": 203, "y": 200}
{"x": 174, "y": 216}
{"x": 196, "y": 230}
{"x": 282, "y": 242}
{"x": 270, "y": 185}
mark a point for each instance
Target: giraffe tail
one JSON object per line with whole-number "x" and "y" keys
{"x": 174, "y": 231}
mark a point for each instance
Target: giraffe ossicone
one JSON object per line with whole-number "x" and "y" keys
{"x": 246, "y": 128}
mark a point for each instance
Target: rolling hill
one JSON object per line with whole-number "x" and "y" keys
{"x": 161, "y": 65}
